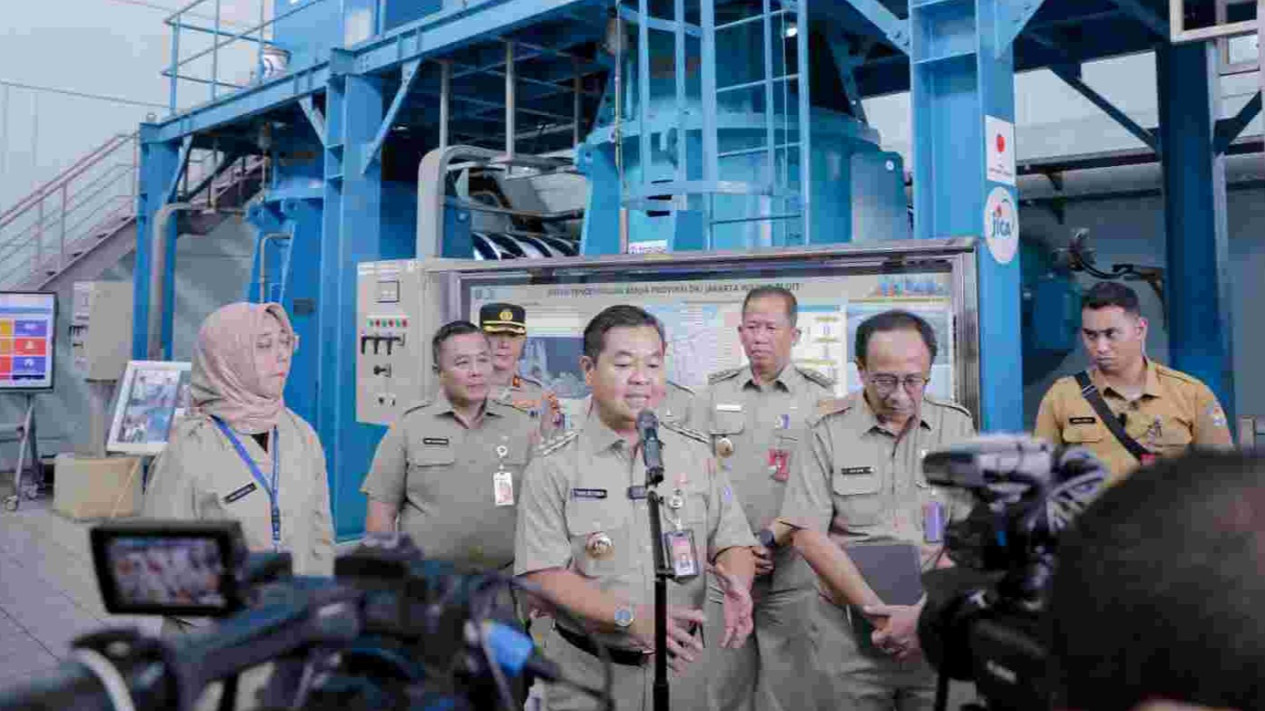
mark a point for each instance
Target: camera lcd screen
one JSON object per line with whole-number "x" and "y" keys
{"x": 167, "y": 571}
{"x": 172, "y": 569}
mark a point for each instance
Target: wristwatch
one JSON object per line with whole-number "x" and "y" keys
{"x": 624, "y": 616}
{"x": 767, "y": 539}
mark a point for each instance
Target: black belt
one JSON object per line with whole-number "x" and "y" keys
{"x": 624, "y": 657}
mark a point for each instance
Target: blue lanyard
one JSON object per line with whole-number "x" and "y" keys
{"x": 271, "y": 490}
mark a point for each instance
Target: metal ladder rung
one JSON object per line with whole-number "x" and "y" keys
{"x": 753, "y": 18}
{"x": 757, "y": 82}
{"x": 758, "y": 149}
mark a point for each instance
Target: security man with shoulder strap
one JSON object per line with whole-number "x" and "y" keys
{"x": 1126, "y": 408}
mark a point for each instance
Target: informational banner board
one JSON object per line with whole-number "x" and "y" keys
{"x": 701, "y": 319}
{"x": 697, "y": 296}
{"x": 28, "y": 325}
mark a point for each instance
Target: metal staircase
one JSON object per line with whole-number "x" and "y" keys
{"x": 83, "y": 221}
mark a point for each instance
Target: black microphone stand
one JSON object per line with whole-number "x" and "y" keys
{"x": 654, "y": 476}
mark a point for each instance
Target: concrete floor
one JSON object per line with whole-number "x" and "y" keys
{"x": 48, "y": 592}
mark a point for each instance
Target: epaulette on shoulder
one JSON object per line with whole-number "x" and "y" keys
{"x": 533, "y": 381}
{"x": 556, "y": 442}
{"x": 679, "y": 386}
{"x": 816, "y": 377}
{"x": 427, "y": 402}
{"x": 723, "y": 375}
{"x": 832, "y": 405}
{"x": 686, "y": 432}
{"x": 1165, "y": 371}
{"x": 947, "y": 404}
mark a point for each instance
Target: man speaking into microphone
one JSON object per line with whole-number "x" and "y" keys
{"x": 584, "y": 530}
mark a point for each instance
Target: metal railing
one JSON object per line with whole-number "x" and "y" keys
{"x": 46, "y": 228}
{"x": 44, "y": 232}
{"x": 256, "y": 34}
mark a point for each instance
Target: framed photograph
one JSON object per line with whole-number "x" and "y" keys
{"x": 152, "y": 395}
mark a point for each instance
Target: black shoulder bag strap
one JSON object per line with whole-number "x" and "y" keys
{"x": 1090, "y": 392}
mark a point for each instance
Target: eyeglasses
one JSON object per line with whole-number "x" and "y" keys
{"x": 886, "y": 383}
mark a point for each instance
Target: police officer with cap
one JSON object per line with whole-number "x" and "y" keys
{"x": 506, "y": 328}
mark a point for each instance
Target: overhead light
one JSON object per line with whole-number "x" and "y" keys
{"x": 791, "y": 30}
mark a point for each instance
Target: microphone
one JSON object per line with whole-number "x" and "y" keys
{"x": 651, "y": 447}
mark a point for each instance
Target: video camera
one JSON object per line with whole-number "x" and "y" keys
{"x": 391, "y": 630}
{"x": 983, "y": 619}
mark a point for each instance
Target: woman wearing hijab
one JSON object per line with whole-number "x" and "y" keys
{"x": 240, "y": 454}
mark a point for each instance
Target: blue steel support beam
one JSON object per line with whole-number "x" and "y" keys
{"x": 847, "y": 62}
{"x": 893, "y": 28}
{"x": 300, "y": 284}
{"x": 1072, "y": 77}
{"x": 961, "y": 76}
{"x": 351, "y": 233}
{"x": 441, "y": 32}
{"x": 1197, "y": 279}
{"x": 159, "y": 160}
{"x": 247, "y": 102}
{"x": 314, "y": 117}
{"x": 182, "y": 162}
{"x": 407, "y": 74}
{"x": 1156, "y": 24}
{"x": 1012, "y": 15}
{"x": 1229, "y": 129}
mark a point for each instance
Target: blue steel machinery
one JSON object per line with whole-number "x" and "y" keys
{"x": 760, "y": 142}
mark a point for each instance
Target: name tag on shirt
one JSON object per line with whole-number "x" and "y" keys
{"x": 240, "y": 493}
{"x": 1083, "y": 420}
{"x": 588, "y": 494}
{"x": 440, "y": 441}
{"x": 856, "y": 470}
{"x": 728, "y": 407}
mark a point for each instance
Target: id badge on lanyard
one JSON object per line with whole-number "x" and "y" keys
{"x": 269, "y": 488}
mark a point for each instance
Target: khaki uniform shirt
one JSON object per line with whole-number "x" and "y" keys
{"x": 199, "y": 476}
{"x": 861, "y": 484}
{"x": 530, "y": 396}
{"x": 442, "y": 477}
{"x": 575, "y": 494}
{"x": 1174, "y": 412}
{"x": 678, "y": 406}
{"x": 755, "y": 432}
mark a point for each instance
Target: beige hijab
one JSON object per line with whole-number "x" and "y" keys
{"x": 225, "y": 382}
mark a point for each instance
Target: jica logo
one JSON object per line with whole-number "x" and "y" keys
{"x": 1002, "y": 227}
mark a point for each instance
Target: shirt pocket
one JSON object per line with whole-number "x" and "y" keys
{"x": 427, "y": 455}
{"x": 1176, "y": 435}
{"x": 599, "y": 539}
{"x": 727, "y": 422}
{"x": 1084, "y": 434}
{"x": 857, "y": 493}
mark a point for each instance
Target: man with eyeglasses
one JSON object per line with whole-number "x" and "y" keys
{"x": 1126, "y": 408}
{"x": 858, "y": 480}
{"x": 755, "y": 416}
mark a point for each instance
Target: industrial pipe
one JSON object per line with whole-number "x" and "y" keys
{"x": 157, "y": 266}
{"x": 263, "y": 261}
